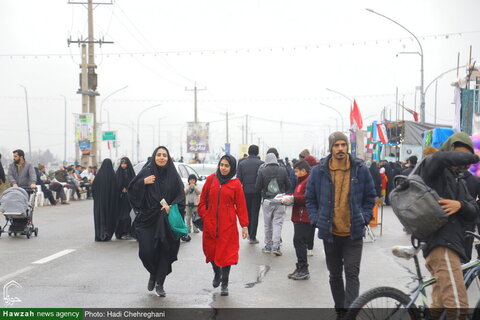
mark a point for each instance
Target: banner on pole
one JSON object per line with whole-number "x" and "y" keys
{"x": 198, "y": 137}
{"x": 84, "y": 127}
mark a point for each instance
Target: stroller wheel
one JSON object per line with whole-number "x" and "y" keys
{"x": 9, "y": 234}
{"x": 15, "y": 234}
{"x": 36, "y": 232}
{"x": 28, "y": 233}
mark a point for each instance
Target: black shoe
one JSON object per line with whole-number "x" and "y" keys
{"x": 216, "y": 280}
{"x": 186, "y": 238}
{"x": 224, "y": 290}
{"x": 297, "y": 268}
{"x": 159, "y": 291}
{"x": 302, "y": 274}
{"x": 151, "y": 283}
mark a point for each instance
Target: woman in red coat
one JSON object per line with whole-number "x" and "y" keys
{"x": 221, "y": 202}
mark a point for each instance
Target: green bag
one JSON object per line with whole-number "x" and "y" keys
{"x": 175, "y": 220}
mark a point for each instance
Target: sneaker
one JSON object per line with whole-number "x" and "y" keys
{"x": 65, "y": 202}
{"x": 302, "y": 274}
{"x": 276, "y": 251}
{"x": 290, "y": 275}
{"x": 253, "y": 241}
{"x": 310, "y": 253}
{"x": 159, "y": 291}
{"x": 267, "y": 249}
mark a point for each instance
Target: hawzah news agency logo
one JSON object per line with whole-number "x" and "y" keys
{"x": 9, "y": 300}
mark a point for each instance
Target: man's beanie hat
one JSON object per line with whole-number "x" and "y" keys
{"x": 334, "y": 137}
{"x": 253, "y": 150}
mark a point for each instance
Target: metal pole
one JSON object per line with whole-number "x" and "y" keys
{"x": 330, "y": 107}
{"x": 28, "y": 121}
{"x": 65, "y": 133}
{"x": 435, "y": 116}
{"x": 138, "y": 128}
{"x": 422, "y": 94}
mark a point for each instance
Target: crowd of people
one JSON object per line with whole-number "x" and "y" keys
{"x": 334, "y": 195}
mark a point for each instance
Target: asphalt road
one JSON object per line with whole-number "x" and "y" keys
{"x": 110, "y": 274}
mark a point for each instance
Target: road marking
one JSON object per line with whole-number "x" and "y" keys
{"x": 54, "y": 256}
{"x": 14, "y": 274}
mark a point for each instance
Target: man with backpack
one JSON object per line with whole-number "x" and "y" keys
{"x": 272, "y": 180}
{"x": 444, "y": 172}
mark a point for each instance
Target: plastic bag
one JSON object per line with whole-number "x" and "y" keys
{"x": 176, "y": 222}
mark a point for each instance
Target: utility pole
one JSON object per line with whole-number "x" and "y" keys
{"x": 246, "y": 129}
{"x": 89, "y": 85}
{"x": 195, "y": 89}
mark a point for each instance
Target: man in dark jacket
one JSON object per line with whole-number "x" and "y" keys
{"x": 247, "y": 174}
{"x": 2, "y": 173}
{"x": 443, "y": 172}
{"x": 272, "y": 179}
{"x": 412, "y": 162}
{"x": 340, "y": 197}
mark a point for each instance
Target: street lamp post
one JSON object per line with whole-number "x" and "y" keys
{"x": 101, "y": 123}
{"x": 28, "y": 122}
{"x": 65, "y": 131}
{"x": 138, "y": 128}
{"x": 422, "y": 93}
{"x": 330, "y": 107}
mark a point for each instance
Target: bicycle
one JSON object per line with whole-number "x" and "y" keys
{"x": 392, "y": 303}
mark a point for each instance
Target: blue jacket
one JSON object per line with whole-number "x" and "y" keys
{"x": 320, "y": 198}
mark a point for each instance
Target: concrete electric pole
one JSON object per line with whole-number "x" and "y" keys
{"x": 88, "y": 83}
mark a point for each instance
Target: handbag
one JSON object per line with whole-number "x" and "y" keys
{"x": 197, "y": 220}
{"x": 416, "y": 205}
{"x": 176, "y": 222}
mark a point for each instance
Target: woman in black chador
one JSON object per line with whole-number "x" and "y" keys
{"x": 105, "y": 201}
{"x": 125, "y": 175}
{"x": 158, "y": 248}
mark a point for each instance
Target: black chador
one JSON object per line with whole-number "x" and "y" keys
{"x": 105, "y": 201}
{"x": 158, "y": 248}
{"x": 124, "y": 177}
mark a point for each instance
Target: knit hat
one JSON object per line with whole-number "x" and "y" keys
{"x": 311, "y": 161}
{"x": 305, "y": 153}
{"x": 334, "y": 137}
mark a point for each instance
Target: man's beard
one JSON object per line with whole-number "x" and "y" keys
{"x": 16, "y": 161}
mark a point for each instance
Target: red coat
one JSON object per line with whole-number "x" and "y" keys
{"x": 219, "y": 207}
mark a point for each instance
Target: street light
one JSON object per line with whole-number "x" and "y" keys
{"x": 65, "y": 132}
{"x": 422, "y": 93}
{"x": 330, "y": 107}
{"x": 138, "y": 128}
{"x": 337, "y": 92}
{"x": 108, "y": 117}
{"x": 28, "y": 122}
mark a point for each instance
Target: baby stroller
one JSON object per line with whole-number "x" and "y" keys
{"x": 18, "y": 211}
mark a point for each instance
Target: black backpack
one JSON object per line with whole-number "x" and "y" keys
{"x": 416, "y": 205}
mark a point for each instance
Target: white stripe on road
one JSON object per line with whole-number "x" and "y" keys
{"x": 54, "y": 256}
{"x": 14, "y": 274}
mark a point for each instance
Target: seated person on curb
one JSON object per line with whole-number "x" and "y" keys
{"x": 52, "y": 186}
{"x": 72, "y": 181}
{"x": 443, "y": 172}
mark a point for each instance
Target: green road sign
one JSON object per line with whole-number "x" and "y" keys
{"x": 109, "y": 135}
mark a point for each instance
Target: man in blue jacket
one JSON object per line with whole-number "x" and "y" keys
{"x": 340, "y": 197}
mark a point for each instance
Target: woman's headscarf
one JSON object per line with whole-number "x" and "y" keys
{"x": 168, "y": 185}
{"x": 233, "y": 169}
{"x": 124, "y": 176}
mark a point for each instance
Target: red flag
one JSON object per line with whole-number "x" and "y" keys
{"x": 414, "y": 113}
{"x": 355, "y": 116}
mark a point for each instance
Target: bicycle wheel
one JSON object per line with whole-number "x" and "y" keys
{"x": 382, "y": 303}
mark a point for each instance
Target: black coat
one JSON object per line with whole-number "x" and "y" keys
{"x": 266, "y": 173}
{"x": 2, "y": 173}
{"x": 437, "y": 174}
{"x": 247, "y": 173}
{"x": 377, "y": 180}
{"x": 105, "y": 201}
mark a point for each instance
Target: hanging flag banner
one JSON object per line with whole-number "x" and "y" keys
{"x": 84, "y": 146}
{"x": 382, "y": 133}
{"x": 197, "y": 137}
